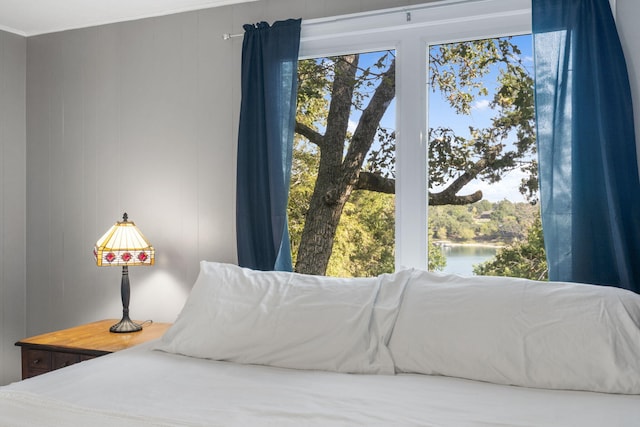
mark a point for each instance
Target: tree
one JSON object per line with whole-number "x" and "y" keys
{"x": 524, "y": 259}
{"x": 331, "y": 87}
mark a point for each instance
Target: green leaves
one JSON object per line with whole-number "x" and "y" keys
{"x": 525, "y": 259}
{"x": 365, "y": 239}
{"x": 313, "y": 92}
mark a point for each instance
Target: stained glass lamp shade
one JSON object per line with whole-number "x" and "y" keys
{"x": 124, "y": 245}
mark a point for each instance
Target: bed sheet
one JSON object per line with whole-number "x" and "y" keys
{"x": 167, "y": 389}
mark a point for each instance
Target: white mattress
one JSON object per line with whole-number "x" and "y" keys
{"x": 139, "y": 384}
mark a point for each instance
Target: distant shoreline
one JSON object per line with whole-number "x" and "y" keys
{"x": 446, "y": 243}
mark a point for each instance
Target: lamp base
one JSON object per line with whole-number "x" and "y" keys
{"x": 125, "y": 325}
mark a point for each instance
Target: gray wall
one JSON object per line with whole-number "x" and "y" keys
{"x": 12, "y": 202}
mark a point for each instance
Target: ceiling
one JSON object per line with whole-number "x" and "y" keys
{"x": 32, "y": 17}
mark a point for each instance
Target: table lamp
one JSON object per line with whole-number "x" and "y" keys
{"x": 124, "y": 245}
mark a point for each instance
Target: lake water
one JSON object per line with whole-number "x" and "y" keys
{"x": 461, "y": 259}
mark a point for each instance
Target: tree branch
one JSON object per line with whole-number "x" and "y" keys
{"x": 375, "y": 182}
{"x": 369, "y": 120}
{"x": 472, "y": 172}
{"x": 312, "y": 135}
{"x": 446, "y": 197}
{"x": 340, "y": 104}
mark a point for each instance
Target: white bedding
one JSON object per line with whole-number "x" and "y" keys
{"x": 141, "y": 387}
{"x": 502, "y": 330}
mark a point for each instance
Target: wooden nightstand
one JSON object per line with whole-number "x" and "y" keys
{"x": 55, "y": 350}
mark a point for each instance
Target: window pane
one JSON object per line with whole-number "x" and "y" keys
{"x": 341, "y": 208}
{"x": 482, "y": 166}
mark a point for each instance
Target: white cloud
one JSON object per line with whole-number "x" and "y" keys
{"x": 480, "y": 105}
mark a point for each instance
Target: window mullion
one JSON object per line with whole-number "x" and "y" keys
{"x": 411, "y": 154}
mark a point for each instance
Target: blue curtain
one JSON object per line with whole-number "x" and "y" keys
{"x": 589, "y": 185}
{"x": 265, "y": 141}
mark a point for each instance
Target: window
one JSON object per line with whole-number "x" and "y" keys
{"x": 409, "y": 31}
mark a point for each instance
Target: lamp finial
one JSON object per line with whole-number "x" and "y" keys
{"x": 125, "y": 217}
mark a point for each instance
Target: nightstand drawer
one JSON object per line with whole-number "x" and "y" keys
{"x": 36, "y": 359}
{"x": 61, "y": 360}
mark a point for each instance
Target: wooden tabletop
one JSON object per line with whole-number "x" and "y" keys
{"x": 95, "y": 337}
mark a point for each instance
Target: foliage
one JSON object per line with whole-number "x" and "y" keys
{"x": 482, "y": 222}
{"x": 313, "y": 92}
{"x": 437, "y": 261}
{"x": 525, "y": 259}
{"x": 364, "y": 243}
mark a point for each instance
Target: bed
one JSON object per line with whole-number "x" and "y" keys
{"x": 407, "y": 349}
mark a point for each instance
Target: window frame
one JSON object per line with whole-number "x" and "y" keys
{"x": 413, "y": 29}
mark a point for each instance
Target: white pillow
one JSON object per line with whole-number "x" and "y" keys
{"x": 288, "y": 320}
{"x": 520, "y": 332}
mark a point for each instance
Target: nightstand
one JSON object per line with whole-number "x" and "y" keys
{"x": 55, "y": 350}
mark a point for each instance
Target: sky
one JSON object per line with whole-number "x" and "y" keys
{"x": 440, "y": 114}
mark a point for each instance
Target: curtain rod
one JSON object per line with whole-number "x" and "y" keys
{"x": 406, "y": 9}
{"x": 227, "y": 36}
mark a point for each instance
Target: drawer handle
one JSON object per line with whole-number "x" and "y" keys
{"x": 36, "y": 361}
